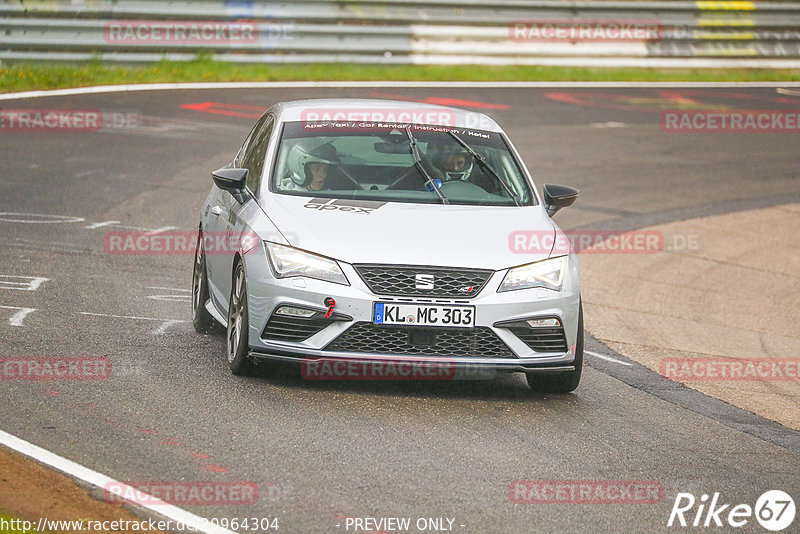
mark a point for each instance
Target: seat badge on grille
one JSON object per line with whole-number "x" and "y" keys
{"x": 424, "y": 281}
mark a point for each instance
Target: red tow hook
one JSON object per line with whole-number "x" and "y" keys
{"x": 330, "y": 303}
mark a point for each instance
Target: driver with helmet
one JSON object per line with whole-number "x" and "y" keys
{"x": 308, "y": 168}
{"x": 452, "y": 162}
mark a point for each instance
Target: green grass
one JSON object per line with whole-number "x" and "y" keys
{"x": 30, "y": 76}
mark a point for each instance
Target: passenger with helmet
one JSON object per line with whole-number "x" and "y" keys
{"x": 308, "y": 169}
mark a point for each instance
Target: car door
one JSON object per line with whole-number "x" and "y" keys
{"x": 229, "y": 225}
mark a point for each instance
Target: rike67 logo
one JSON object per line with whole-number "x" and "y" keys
{"x": 774, "y": 510}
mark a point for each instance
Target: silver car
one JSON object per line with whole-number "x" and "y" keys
{"x": 373, "y": 239}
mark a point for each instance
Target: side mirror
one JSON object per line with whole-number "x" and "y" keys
{"x": 231, "y": 180}
{"x": 558, "y": 196}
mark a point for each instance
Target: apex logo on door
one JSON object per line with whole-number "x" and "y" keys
{"x": 424, "y": 281}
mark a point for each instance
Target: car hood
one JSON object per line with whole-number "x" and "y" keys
{"x": 360, "y": 231}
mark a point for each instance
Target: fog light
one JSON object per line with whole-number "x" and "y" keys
{"x": 550, "y": 322}
{"x": 291, "y": 311}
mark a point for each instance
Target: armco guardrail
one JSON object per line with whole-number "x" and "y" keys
{"x": 393, "y": 31}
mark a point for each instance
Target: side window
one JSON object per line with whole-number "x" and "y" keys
{"x": 255, "y": 153}
{"x": 240, "y": 156}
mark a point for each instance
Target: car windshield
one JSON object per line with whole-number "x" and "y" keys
{"x": 376, "y": 162}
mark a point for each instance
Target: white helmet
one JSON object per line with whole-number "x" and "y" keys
{"x": 300, "y": 157}
{"x": 438, "y": 152}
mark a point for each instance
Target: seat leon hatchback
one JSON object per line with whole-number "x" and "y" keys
{"x": 379, "y": 239}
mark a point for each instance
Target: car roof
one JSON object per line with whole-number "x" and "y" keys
{"x": 378, "y": 110}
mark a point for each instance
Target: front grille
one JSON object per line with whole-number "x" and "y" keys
{"x": 542, "y": 339}
{"x": 368, "y": 337}
{"x": 285, "y": 328}
{"x": 402, "y": 281}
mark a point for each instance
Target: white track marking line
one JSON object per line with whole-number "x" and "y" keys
{"x": 607, "y": 358}
{"x": 137, "y": 228}
{"x": 162, "y": 328}
{"x": 133, "y": 317}
{"x": 159, "y": 330}
{"x": 32, "y": 283}
{"x": 162, "y": 229}
{"x": 51, "y": 245}
{"x": 43, "y": 218}
{"x": 169, "y": 289}
{"x": 125, "y": 227}
{"x": 610, "y": 124}
{"x": 88, "y": 173}
{"x": 102, "y": 481}
{"x": 374, "y": 84}
{"x": 17, "y": 318}
{"x": 171, "y": 298}
{"x": 100, "y": 224}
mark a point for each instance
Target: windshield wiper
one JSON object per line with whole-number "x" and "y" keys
{"x": 412, "y": 142}
{"x": 482, "y": 162}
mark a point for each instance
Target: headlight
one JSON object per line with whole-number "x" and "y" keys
{"x": 549, "y": 274}
{"x": 288, "y": 261}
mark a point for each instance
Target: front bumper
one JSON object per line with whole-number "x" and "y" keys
{"x": 266, "y": 293}
{"x": 461, "y": 366}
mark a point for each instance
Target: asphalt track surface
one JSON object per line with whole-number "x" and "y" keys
{"x": 322, "y": 451}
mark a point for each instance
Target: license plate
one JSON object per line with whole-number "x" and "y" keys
{"x": 424, "y": 315}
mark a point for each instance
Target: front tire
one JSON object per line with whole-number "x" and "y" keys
{"x": 202, "y": 320}
{"x": 238, "y": 325}
{"x": 565, "y": 381}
